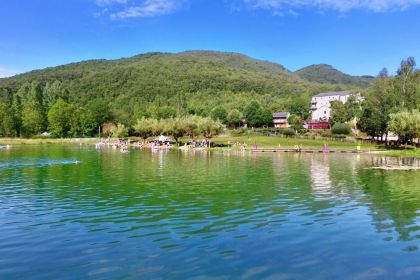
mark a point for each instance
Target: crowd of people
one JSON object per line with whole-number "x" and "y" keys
{"x": 161, "y": 144}
{"x": 116, "y": 144}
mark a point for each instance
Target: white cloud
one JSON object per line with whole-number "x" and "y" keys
{"x": 149, "y": 8}
{"x": 339, "y": 5}
{"x": 5, "y": 72}
{"x": 121, "y": 9}
{"x": 109, "y": 2}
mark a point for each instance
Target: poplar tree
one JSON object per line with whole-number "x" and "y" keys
{"x": 33, "y": 114}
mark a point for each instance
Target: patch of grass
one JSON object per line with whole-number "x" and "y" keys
{"x": 262, "y": 142}
{"x": 284, "y": 142}
{"x": 39, "y": 141}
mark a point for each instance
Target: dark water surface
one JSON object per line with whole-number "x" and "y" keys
{"x": 176, "y": 215}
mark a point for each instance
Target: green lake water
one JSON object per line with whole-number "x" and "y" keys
{"x": 205, "y": 215}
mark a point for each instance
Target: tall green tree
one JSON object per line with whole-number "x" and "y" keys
{"x": 93, "y": 116}
{"x": 295, "y": 122}
{"x": 266, "y": 117}
{"x": 234, "y": 118}
{"x": 405, "y": 83}
{"x": 253, "y": 114}
{"x": 33, "y": 113}
{"x": 17, "y": 107}
{"x": 52, "y": 92}
{"x": 256, "y": 116}
{"x": 219, "y": 113}
{"x": 380, "y": 102}
{"x": 6, "y": 120}
{"x": 300, "y": 107}
{"x": 345, "y": 112}
{"x": 339, "y": 112}
{"x": 60, "y": 118}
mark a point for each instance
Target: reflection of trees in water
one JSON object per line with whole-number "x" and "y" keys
{"x": 151, "y": 187}
{"x": 394, "y": 199}
{"x": 222, "y": 190}
{"x": 391, "y": 161}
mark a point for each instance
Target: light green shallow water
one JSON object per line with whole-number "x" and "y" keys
{"x": 220, "y": 215}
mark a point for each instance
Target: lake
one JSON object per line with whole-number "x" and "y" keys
{"x": 205, "y": 215}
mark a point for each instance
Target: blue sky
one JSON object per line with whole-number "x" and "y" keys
{"x": 355, "y": 36}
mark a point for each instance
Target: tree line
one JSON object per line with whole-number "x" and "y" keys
{"x": 55, "y": 106}
{"x": 391, "y": 104}
{"x": 34, "y": 109}
{"x": 157, "y": 85}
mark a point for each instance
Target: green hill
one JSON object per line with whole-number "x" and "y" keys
{"x": 187, "y": 71}
{"x": 326, "y": 74}
{"x": 190, "y": 82}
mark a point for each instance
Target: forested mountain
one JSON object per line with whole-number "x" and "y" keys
{"x": 76, "y": 99}
{"x": 326, "y": 74}
{"x": 190, "y": 82}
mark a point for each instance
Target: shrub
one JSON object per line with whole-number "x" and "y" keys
{"x": 341, "y": 128}
{"x": 120, "y": 131}
{"x": 289, "y": 132}
{"x": 239, "y": 131}
{"x": 264, "y": 131}
{"x": 325, "y": 133}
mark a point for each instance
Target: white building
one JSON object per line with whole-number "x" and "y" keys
{"x": 321, "y": 104}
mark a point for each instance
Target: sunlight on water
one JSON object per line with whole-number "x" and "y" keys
{"x": 184, "y": 215}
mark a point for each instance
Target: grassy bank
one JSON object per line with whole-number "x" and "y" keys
{"x": 30, "y": 141}
{"x": 262, "y": 142}
{"x": 283, "y": 142}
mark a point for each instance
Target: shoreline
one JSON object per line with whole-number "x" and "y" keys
{"x": 37, "y": 141}
{"x": 266, "y": 144}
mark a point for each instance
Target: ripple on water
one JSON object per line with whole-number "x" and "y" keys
{"x": 179, "y": 215}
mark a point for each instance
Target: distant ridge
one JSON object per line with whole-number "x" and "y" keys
{"x": 165, "y": 78}
{"x": 165, "y": 74}
{"x": 326, "y": 74}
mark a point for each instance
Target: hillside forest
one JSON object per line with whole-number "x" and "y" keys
{"x": 74, "y": 100}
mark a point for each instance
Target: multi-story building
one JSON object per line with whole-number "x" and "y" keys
{"x": 280, "y": 119}
{"x": 321, "y": 104}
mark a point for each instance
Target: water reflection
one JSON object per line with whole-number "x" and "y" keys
{"x": 216, "y": 214}
{"x": 320, "y": 175}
